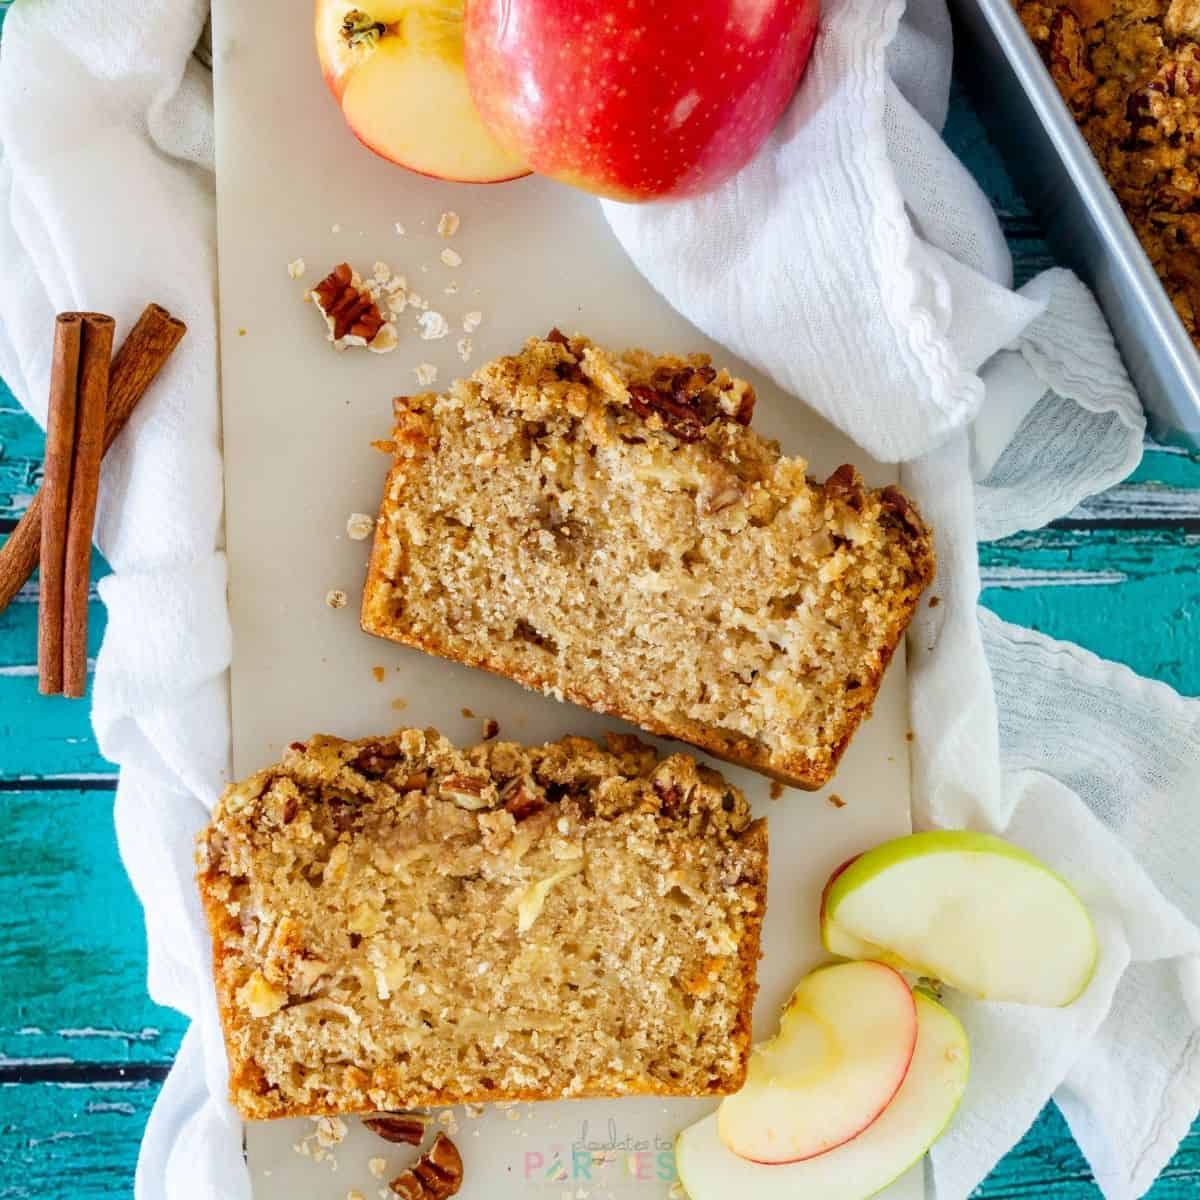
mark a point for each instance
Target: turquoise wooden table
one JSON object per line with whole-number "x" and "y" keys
{"x": 83, "y": 1051}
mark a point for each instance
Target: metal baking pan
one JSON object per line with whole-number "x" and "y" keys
{"x": 1054, "y": 168}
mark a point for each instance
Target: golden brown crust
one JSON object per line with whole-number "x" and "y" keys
{"x": 1129, "y": 70}
{"x": 850, "y": 561}
{"x": 335, "y": 867}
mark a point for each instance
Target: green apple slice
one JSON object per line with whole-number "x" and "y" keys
{"x": 910, "y": 1124}
{"x": 835, "y": 939}
{"x": 844, "y": 1045}
{"x": 970, "y": 909}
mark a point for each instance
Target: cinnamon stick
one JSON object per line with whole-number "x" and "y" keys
{"x": 56, "y": 489}
{"x": 94, "y": 358}
{"x": 145, "y": 349}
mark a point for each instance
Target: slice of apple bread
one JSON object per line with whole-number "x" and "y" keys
{"x": 608, "y": 529}
{"x": 396, "y": 923}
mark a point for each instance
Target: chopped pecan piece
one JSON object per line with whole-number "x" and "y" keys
{"x": 436, "y": 1175}
{"x": 522, "y": 799}
{"x": 350, "y": 310}
{"x": 464, "y": 790}
{"x": 402, "y": 1129}
{"x": 846, "y": 484}
{"x": 376, "y": 759}
{"x": 678, "y": 418}
{"x": 1066, "y": 55}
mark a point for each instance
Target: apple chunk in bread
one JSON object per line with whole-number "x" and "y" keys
{"x": 910, "y": 1124}
{"x": 973, "y": 910}
{"x": 396, "y": 69}
{"x": 844, "y": 1045}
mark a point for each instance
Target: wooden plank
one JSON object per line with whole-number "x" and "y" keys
{"x": 71, "y": 1139}
{"x": 21, "y": 443}
{"x": 45, "y": 737}
{"x": 72, "y": 945}
{"x": 1132, "y": 595}
{"x": 1047, "y": 1165}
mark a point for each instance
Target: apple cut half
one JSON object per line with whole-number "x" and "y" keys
{"x": 970, "y": 909}
{"x": 914, "y": 1120}
{"x": 396, "y": 69}
{"x": 844, "y": 1045}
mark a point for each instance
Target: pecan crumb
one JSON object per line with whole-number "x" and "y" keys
{"x": 491, "y": 727}
{"x": 776, "y": 789}
{"x": 522, "y": 799}
{"x": 436, "y": 1175}
{"x": 378, "y": 673}
{"x": 351, "y": 313}
{"x": 836, "y": 800}
{"x": 402, "y": 1129}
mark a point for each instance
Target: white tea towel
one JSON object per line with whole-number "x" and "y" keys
{"x": 862, "y": 268}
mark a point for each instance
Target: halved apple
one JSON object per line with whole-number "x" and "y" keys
{"x": 914, "y": 1120}
{"x": 843, "y": 1048}
{"x": 396, "y": 68}
{"x": 970, "y": 909}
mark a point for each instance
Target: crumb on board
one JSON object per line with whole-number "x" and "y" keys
{"x": 359, "y": 526}
{"x": 448, "y": 224}
{"x": 426, "y": 374}
{"x": 433, "y": 325}
{"x": 491, "y": 727}
{"x": 464, "y": 348}
{"x": 451, "y": 258}
{"x": 934, "y": 601}
{"x": 399, "y": 228}
{"x": 466, "y": 712}
{"x": 776, "y": 789}
{"x": 336, "y": 598}
{"x": 296, "y": 268}
{"x": 399, "y": 704}
{"x": 242, "y": 332}
{"x": 908, "y": 737}
{"x": 472, "y": 320}
{"x": 377, "y": 1166}
{"x": 378, "y": 673}
{"x": 836, "y": 800}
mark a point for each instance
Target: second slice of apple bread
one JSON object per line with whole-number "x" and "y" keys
{"x": 400, "y": 923}
{"x": 608, "y": 529}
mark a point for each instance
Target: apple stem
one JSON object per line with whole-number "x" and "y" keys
{"x": 360, "y": 30}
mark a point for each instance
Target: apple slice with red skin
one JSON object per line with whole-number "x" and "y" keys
{"x": 860, "y": 1168}
{"x": 845, "y": 1041}
{"x": 396, "y": 69}
{"x": 633, "y": 99}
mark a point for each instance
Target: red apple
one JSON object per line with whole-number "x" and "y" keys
{"x": 396, "y": 69}
{"x": 636, "y": 99}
